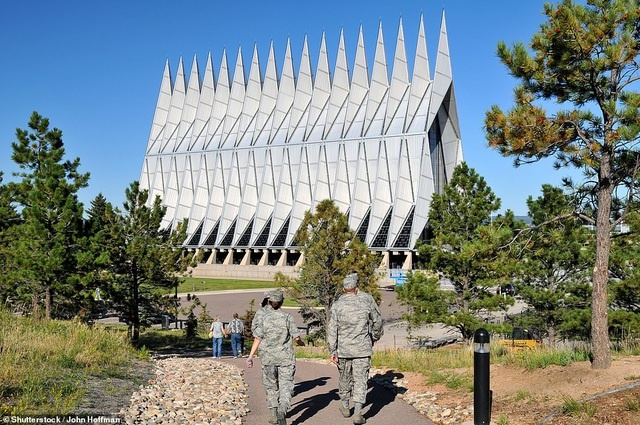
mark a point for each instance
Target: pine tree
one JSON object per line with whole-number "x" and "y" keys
{"x": 625, "y": 280}
{"x": 144, "y": 259}
{"x": 585, "y": 57}
{"x": 464, "y": 247}
{"x": 45, "y": 252}
{"x": 9, "y": 221}
{"x": 331, "y": 251}
{"x": 94, "y": 259}
{"x": 555, "y": 259}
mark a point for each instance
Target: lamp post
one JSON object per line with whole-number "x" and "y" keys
{"x": 481, "y": 391}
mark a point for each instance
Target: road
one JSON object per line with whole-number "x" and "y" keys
{"x": 396, "y": 335}
{"x": 225, "y": 303}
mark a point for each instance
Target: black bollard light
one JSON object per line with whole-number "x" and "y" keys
{"x": 481, "y": 391}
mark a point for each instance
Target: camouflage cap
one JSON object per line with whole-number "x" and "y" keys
{"x": 276, "y": 296}
{"x": 351, "y": 281}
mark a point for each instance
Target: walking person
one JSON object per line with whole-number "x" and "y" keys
{"x": 355, "y": 324}
{"x": 217, "y": 333}
{"x": 236, "y": 330}
{"x": 274, "y": 332}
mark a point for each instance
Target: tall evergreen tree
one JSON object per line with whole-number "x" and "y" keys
{"x": 45, "y": 253}
{"x": 331, "y": 251}
{"x": 555, "y": 259}
{"x": 94, "y": 259}
{"x": 143, "y": 257}
{"x": 97, "y": 214}
{"x": 463, "y": 246}
{"x": 9, "y": 221}
{"x": 625, "y": 280}
{"x": 585, "y": 57}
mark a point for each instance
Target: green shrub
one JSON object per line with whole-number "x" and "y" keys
{"x": 578, "y": 409}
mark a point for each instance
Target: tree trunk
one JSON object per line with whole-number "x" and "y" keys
{"x": 599, "y": 315}
{"x": 34, "y": 307}
{"x": 47, "y": 302}
{"x": 327, "y": 317}
{"x": 136, "y": 300}
{"x": 552, "y": 337}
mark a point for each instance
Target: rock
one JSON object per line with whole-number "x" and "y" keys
{"x": 188, "y": 391}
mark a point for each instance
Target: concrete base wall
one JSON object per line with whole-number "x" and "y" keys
{"x": 237, "y": 271}
{"x": 252, "y": 272}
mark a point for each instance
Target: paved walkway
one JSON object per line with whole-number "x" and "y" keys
{"x": 316, "y": 396}
{"x": 316, "y": 399}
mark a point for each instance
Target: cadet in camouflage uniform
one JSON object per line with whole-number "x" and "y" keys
{"x": 355, "y": 323}
{"x": 274, "y": 332}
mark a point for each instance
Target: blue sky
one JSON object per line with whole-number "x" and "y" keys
{"x": 94, "y": 68}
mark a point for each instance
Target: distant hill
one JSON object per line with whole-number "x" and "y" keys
{"x": 527, "y": 220}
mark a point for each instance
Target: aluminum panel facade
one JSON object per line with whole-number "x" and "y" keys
{"x": 244, "y": 158}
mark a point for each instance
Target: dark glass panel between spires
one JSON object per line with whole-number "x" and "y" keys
{"x": 282, "y": 236}
{"x": 364, "y": 227}
{"x": 246, "y": 236}
{"x": 195, "y": 238}
{"x": 380, "y": 240}
{"x": 211, "y": 239}
{"x": 264, "y": 235}
{"x": 228, "y": 238}
{"x": 402, "y": 240}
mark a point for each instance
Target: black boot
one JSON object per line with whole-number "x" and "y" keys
{"x": 282, "y": 418}
{"x": 273, "y": 419}
{"x": 357, "y": 418}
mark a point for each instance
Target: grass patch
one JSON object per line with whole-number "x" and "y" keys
{"x": 539, "y": 359}
{"x": 502, "y": 419}
{"x": 44, "y": 364}
{"x": 309, "y": 352}
{"x": 522, "y": 395}
{"x": 630, "y": 347}
{"x": 288, "y": 302}
{"x": 163, "y": 340}
{"x": 633, "y": 404}
{"x": 451, "y": 380}
{"x": 199, "y": 284}
{"x": 571, "y": 406}
{"x": 578, "y": 409}
{"x": 193, "y": 285}
{"x": 423, "y": 361}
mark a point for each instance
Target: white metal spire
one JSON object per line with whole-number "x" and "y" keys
{"x": 244, "y": 159}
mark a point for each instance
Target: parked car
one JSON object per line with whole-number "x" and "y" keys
{"x": 99, "y": 310}
{"x": 148, "y": 318}
{"x": 508, "y": 289}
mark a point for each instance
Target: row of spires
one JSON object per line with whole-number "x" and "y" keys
{"x": 219, "y": 112}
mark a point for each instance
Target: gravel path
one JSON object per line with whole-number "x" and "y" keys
{"x": 190, "y": 391}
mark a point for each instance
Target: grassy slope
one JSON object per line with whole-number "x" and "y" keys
{"x": 44, "y": 366}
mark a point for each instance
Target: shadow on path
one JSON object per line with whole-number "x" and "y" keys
{"x": 302, "y": 387}
{"x": 196, "y": 353}
{"x": 308, "y": 407}
{"x": 380, "y": 395}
